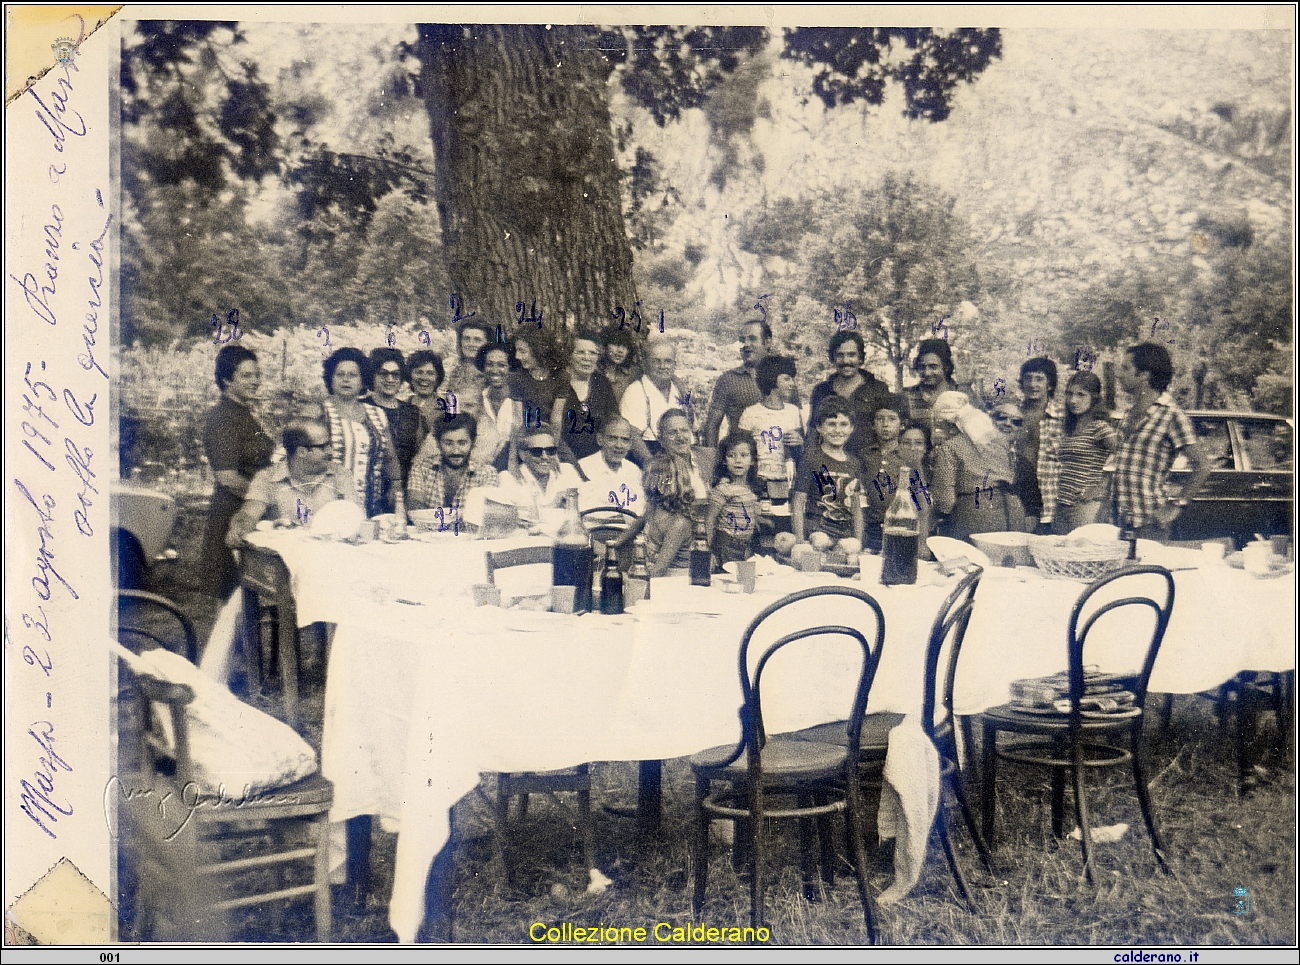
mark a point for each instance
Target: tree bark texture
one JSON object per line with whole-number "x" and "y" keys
{"x": 527, "y": 184}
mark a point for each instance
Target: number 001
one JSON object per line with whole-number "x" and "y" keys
{"x": 110, "y": 956}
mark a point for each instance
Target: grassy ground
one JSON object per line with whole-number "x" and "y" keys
{"x": 1218, "y": 838}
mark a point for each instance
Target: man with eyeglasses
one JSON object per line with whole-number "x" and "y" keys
{"x": 541, "y": 480}
{"x": 294, "y": 490}
{"x": 441, "y": 474}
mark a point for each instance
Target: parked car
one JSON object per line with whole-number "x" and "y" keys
{"x": 1252, "y": 481}
{"x": 142, "y": 525}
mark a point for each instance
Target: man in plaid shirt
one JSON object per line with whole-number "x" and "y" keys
{"x": 1155, "y": 430}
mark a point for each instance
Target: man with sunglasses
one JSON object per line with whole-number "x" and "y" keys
{"x": 292, "y": 491}
{"x": 541, "y": 479}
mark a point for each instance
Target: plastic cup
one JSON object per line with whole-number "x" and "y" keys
{"x": 485, "y": 594}
{"x": 870, "y": 566}
{"x": 747, "y": 574}
{"x": 1280, "y": 545}
{"x": 562, "y": 598}
{"x": 1256, "y": 557}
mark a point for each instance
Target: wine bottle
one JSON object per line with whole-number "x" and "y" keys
{"x": 901, "y": 538}
{"x": 571, "y": 558}
{"x": 701, "y": 557}
{"x": 611, "y": 585}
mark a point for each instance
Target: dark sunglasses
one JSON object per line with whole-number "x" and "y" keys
{"x": 1008, "y": 419}
{"x": 385, "y": 374}
{"x": 541, "y": 450}
{"x": 316, "y": 448}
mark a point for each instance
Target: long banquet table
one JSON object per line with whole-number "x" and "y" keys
{"x": 425, "y": 691}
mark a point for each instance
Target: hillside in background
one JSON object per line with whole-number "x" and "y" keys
{"x": 1108, "y": 179}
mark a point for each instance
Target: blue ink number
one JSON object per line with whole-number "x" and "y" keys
{"x": 846, "y": 322}
{"x": 772, "y": 437}
{"x": 232, "y": 319}
{"x": 626, "y": 500}
{"x": 825, "y": 481}
{"x": 588, "y": 425}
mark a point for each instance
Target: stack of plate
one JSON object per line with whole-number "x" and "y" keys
{"x": 1104, "y": 695}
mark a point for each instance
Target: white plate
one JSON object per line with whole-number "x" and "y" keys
{"x": 945, "y": 549}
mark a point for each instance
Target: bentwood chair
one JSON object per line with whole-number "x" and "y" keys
{"x": 1071, "y": 740}
{"x": 760, "y": 770}
{"x": 949, "y": 629}
{"x": 189, "y": 856}
{"x": 523, "y": 783}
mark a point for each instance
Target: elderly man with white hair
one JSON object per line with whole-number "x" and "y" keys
{"x": 974, "y": 470}
{"x": 648, "y": 398}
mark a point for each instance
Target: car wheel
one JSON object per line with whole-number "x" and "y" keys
{"x": 130, "y": 569}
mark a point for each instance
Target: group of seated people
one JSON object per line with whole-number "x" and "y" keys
{"x": 397, "y": 434}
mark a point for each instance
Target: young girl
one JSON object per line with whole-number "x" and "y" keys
{"x": 1070, "y": 463}
{"x": 733, "y": 513}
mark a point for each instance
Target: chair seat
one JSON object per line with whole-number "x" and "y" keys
{"x": 784, "y": 760}
{"x": 1007, "y": 717}
{"x": 875, "y": 732}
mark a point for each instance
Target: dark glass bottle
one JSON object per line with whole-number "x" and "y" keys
{"x": 701, "y": 557}
{"x": 611, "y": 585}
{"x": 901, "y": 538}
{"x": 571, "y": 559}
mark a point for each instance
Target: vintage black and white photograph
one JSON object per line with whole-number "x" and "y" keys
{"x": 676, "y": 485}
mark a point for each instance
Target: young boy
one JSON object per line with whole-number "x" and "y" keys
{"x": 881, "y": 476}
{"x": 777, "y": 426}
{"x": 828, "y": 495}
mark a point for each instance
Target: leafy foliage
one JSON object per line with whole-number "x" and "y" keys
{"x": 896, "y": 256}
{"x": 855, "y": 63}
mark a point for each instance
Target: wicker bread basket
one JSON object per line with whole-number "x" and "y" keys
{"x": 1072, "y": 559}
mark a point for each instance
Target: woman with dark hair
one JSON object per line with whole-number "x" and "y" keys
{"x": 426, "y": 374}
{"x": 237, "y": 447}
{"x": 587, "y": 399}
{"x": 406, "y": 423}
{"x": 914, "y": 452}
{"x": 534, "y": 382}
{"x": 359, "y": 436}
{"x": 1070, "y": 461}
{"x": 620, "y": 365}
{"x": 502, "y": 416}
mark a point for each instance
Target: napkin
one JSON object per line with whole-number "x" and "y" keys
{"x": 909, "y": 800}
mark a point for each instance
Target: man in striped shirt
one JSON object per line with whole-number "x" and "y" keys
{"x": 1155, "y": 430}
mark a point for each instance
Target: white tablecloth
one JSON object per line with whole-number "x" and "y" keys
{"x": 424, "y": 695}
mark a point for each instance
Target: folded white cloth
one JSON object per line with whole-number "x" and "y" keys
{"x": 908, "y": 802}
{"x": 221, "y": 641}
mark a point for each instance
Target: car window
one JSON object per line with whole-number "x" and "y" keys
{"x": 1269, "y": 444}
{"x": 1212, "y": 435}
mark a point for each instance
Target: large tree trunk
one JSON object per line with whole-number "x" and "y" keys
{"x": 527, "y": 185}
